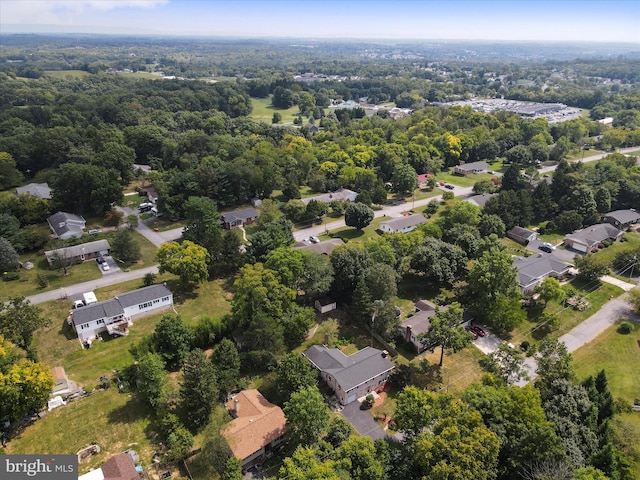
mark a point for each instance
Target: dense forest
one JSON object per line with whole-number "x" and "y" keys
{"x": 84, "y": 134}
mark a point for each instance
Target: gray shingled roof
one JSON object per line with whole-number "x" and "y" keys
{"x": 81, "y": 249}
{"x": 624, "y": 216}
{"x": 480, "y": 200}
{"x": 41, "y": 190}
{"x": 241, "y": 215}
{"x": 404, "y": 222}
{"x": 321, "y": 248}
{"x": 95, "y": 311}
{"x": 349, "y": 371}
{"x": 474, "y": 166}
{"x": 341, "y": 194}
{"x": 142, "y": 295}
{"x": 116, "y": 306}
{"x": 537, "y": 266}
{"x": 594, "y": 234}
{"x": 62, "y": 222}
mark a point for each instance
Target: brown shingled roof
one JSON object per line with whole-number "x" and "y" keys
{"x": 120, "y": 467}
{"x": 257, "y": 423}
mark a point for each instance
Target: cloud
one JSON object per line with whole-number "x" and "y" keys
{"x": 60, "y": 12}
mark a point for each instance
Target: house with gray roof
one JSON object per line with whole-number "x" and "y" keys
{"x": 114, "y": 316}
{"x": 66, "y": 225}
{"x": 522, "y": 235}
{"x": 343, "y": 194}
{"x": 79, "y": 253}
{"x": 322, "y": 248}
{"x": 468, "y": 168}
{"x": 40, "y": 190}
{"x": 621, "y": 219}
{"x": 590, "y": 238}
{"x": 239, "y": 218}
{"x": 534, "y": 269}
{"x": 351, "y": 376}
{"x": 403, "y": 224}
{"x": 479, "y": 200}
{"x": 417, "y": 324}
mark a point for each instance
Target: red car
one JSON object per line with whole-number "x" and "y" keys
{"x": 475, "y": 335}
{"x": 477, "y": 330}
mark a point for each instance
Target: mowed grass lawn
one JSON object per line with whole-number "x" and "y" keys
{"x": 263, "y": 111}
{"x": 618, "y": 355}
{"x": 66, "y": 74}
{"x": 463, "y": 180}
{"x": 114, "y": 421}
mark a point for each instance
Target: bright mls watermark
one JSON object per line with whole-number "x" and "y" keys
{"x": 37, "y": 467}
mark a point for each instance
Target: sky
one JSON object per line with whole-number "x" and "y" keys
{"x": 511, "y": 20}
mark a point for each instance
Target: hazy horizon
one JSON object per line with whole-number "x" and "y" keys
{"x": 483, "y": 20}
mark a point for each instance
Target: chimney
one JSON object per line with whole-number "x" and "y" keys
{"x": 407, "y": 336}
{"x": 236, "y": 406}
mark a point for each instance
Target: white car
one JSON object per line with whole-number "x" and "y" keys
{"x": 314, "y": 239}
{"x": 105, "y": 266}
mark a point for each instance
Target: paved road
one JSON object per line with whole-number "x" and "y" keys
{"x": 588, "y": 330}
{"x": 593, "y": 158}
{"x": 105, "y": 281}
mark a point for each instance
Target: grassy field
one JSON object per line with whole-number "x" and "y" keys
{"x": 112, "y": 420}
{"x": 263, "y": 111}
{"x": 349, "y": 234}
{"x": 632, "y": 242}
{"x": 463, "y": 180}
{"x": 618, "y": 355}
{"x": 532, "y": 331}
{"x": 66, "y": 74}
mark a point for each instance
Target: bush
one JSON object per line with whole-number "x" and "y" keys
{"x": 524, "y": 346}
{"x": 43, "y": 280}
{"x": 625, "y": 328}
{"x": 11, "y": 276}
{"x": 448, "y": 196}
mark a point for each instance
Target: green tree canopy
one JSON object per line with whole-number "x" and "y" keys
{"x": 446, "y": 330}
{"x": 358, "y": 215}
{"x": 172, "y": 339}
{"x": 307, "y": 416}
{"x": 198, "y": 389}
{"x": 186, "y": 259}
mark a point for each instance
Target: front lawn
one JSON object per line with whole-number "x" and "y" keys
{"x": 351, "y": 234}
{"x": 619, "y": 355}
{"x": 463, "y": 180}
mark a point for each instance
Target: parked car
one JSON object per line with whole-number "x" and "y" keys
{"x": 449, "y": 186}
{"x": 314, "y": 239}
{"x": 94, "y": 231}
{"x": 442, "y": 184}
{"x": 100, "y": 260}
{"x": 545, "y": 247}
{"x": 477, "y": 330}
{"x": 105, "y": 266}
{"x": 475, "y": 335}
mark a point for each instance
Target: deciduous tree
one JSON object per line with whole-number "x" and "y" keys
{"x": 151, "y": 379}
{"x": 9, "y": 259}
{"x": 307, "y": 416}
{"x": 172, "y": 339}
{"x": 446, "y": 330}
{"x": 358, "y": 215}
{"x": 19, "y": 319}
{"x": 186, "y": 259}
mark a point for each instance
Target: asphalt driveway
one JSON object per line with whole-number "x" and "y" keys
{"x": 560, "y": 252}
{"x": 363, "y": 422}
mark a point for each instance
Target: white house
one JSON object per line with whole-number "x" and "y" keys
{"x": 115, "y": 315}
{"x": 402, "y": 224}
{"x": 467, "y": 168}
{"x": 353, "y": 376}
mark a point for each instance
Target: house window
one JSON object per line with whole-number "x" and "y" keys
{"x": 156, "y": 301}
{"x": 142, "y": 306}
{"x": 165, "y": 299}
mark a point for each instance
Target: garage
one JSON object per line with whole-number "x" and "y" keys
{"x": 579, "y": 247}
{"x": 351, "y": 398}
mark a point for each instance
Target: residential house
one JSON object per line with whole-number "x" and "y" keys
{"x": 239, "y": 218}
{"x": 343, "y": 194}
{"x": 479, "y": 200}
{"x": 621, "y": 219}
{"x": 257, "y": 428}
{"x": 468, "y": 168}
{"x": 151, "y": 194}
{"x": 352, "y": 376}
{"x": 423, "y": 180}
{"x": 118, "y": 467}
{"x": 403, "y": 224}
{"x": 534, "y": 269}
{"x": 40, "y": 190}
{"x": 115, "y": 315}
{"x": 417, "y": 324}
{"x": 325, "y": 304}
{"x": 79, "y": 253}
{"x": 589, "y": 239}
{"x": 522, "y": 235}
{"x": 66, "y": 225}
{"x": 321, "y": 248}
